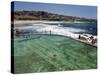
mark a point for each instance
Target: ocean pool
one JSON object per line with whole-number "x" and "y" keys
{"x": 47, "y": 53}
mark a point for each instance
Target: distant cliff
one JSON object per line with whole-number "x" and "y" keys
{"x": 42, "y": 15}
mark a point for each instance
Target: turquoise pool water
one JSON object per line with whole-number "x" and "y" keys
{"x": 45, "y": 53}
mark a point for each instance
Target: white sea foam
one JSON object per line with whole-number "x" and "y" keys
{"x": 56, "y": 29}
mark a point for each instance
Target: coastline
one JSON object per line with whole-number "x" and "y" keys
{"x": 43, "y": 21}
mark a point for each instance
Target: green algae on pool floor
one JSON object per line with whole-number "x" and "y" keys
{"x": 53, "y": 53}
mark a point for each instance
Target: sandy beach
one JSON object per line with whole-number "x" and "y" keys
{"x": 42, "y": 21}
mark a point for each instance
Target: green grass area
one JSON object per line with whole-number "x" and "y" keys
{"x": 53, "y": 53}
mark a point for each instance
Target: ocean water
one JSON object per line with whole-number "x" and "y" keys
{"x": 66, "y": 29}
{"x": 89, "y": 28}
